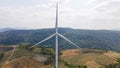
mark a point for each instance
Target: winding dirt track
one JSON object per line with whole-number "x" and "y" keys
{"x": 12, "y": 53}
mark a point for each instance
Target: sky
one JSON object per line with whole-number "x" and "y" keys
{"x": 78, "y": 14}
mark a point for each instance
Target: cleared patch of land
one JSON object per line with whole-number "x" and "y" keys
{"x": 71, "y": 53}
{"x": 112, "y": 54}
{"x": 92, "y": 58}
{"x": 23, "y": 62}
{"x": 6, "y": 48}
{"x": 92, "y": 64}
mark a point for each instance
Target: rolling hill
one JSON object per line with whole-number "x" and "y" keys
{"x": 6, "y": 29}
{"x": 71, "y": 58}
{"x": 93, "y": 58}
{"x": 100, "y": 39}
{"x": 25, "y": 58}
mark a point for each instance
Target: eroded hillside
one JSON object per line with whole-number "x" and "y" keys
{"x": 44, "y": 57}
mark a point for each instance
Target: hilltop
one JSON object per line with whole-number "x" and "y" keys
{"x": 92, "y": 58}
{"x": 22, "y": 57}
{"x": 44, "y": 57}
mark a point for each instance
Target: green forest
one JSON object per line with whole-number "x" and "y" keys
{"x": 97, "y": 39}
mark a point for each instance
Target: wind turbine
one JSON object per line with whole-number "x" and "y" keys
{"x": 56, "y": 34}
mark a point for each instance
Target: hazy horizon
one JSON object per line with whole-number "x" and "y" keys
{"x": 76, "y": 14}
{"x": 23, "y": 28}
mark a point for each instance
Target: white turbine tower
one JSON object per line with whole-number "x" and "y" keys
{"x": 56, "y": 34}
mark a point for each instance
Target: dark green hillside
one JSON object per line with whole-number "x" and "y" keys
{"x": 101, "y": 39}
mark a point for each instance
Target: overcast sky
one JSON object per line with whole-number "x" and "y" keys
{"x": 80, "y": 14}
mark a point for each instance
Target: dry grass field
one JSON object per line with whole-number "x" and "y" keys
{"x": 93, "y": 58}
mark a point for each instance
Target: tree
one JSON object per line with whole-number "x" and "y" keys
{"x": 1, "y": 55}
{"x": 69, "y": 65}
{"x": 37, "y": 50}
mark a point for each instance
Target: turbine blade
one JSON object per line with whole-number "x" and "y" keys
{"x": 68, "y": 40}
{"x": 44, "y": 40}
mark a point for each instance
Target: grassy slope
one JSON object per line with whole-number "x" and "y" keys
{"x": 92, "y": 60}
{"x": 22, "y": 58}
{"x": 23, "y": 62}
{"x": 90, "y": 57}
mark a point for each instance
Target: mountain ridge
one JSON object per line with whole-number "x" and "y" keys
{"x": 100, "y": 39}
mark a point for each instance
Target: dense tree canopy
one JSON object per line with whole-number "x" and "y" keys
{"x": 101, "y": 39}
